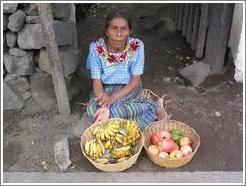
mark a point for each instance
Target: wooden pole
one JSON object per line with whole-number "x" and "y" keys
{"x": 177, "y": 15}
{"x": 181, "y": 14}
{"x": 186, "y": 19}
{"x": 220, "y": 18}
{"x": 195, "y": 27}
{"x": 202, "y": 31}
{"x": 45, "y": 14}
{"x": 190, "y": 24}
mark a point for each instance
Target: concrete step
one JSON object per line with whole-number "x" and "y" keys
{"x": 121, "y": 177}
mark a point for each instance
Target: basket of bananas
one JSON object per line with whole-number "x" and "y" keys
{"x": 113, "y": 145}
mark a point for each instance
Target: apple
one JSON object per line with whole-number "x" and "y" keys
{"x": 165, "y": 134}
{"x": 176, "y": 154}
{"x": 185, "y": 141}
{"x": 186, "y": 149}
{"x": 153, "y": 149}
{"x": 155, "y": 138}
{"x": 167, "y": 145}
{"x": 163, "y": 155}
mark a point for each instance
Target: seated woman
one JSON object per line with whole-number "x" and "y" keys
{"x": 116, "y": 63}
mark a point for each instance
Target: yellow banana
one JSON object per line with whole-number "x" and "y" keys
{"x": 114, "y": 130}
{"x": 98, "y": 148}
{"x": 118, "y": 139}
{"x": 98, "y": 135}
{"x": 103, "y": 160}
{"x": 124, "y": 148}
{"x": 91, "y": 148}
{"x": 102, "y": 136}
{"x": 127, "y": 125}
{"x": 122, "y": 159}
{"x": 96, "y": 129}
{"x": 101, "y": 146}
{"x": 87, "y": 147}
{"x": 115, "y": 124}
{"x": 106, "y": 134}
{"x": 107, "y": 144}
{"x": 110, "y": 131}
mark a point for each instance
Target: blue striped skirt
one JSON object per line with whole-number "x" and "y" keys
{"x": 132, "y": 106}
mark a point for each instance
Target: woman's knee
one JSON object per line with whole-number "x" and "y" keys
{"x": 91, "y": 109}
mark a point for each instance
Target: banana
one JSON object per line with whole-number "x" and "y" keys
{"x": 99, "y": 150}
{"x": 122, "y": 159}
{"x": 106, "y": 134}
{"x": 124, "y": 148}
{"x": 119, "y": 154}
{"x": 101, "y": 146}
{"x": 98, "y": 136}
{"x": 110, "y": 132}
{"x": 103, "y": 160}
{"x": 91, "y": 153}
{"x": 87, "y": 150}
{"x": 96, "y": 129}
{"x": 119, "y": 139}
{"x": 115, "y": 124}
{"x": 127, "y": 125}
{"x": 102, "y": 136}
{"x": 114, "y": 130}
{"x": 87, "y": 147}
{"x": 107, "y": 144}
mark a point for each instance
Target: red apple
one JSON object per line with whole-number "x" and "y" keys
{"x": 167, "y": 145}
{"x": 176, "y": 154}
{"x": 185, "y": 141}
{"x": 155, "y": 138}
{"x": 165, "y": 134}
{"x": 186, "y": 149}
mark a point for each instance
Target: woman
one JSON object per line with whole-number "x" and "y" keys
{"x": 116, "y": 63}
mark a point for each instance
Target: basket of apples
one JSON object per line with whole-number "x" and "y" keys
{"x": 171, "y": 143}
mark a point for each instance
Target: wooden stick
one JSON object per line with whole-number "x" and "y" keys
{"x": 45, "y": 14}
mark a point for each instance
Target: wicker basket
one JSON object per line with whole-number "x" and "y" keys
{"x": 114, "y": 167}
{"x": 170, "y": 125}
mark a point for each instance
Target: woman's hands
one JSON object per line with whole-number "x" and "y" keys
{"x": 102, "y": 114}
{"x": 104, "y": 100}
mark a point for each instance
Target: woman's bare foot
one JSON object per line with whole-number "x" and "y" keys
{"x": 160, "y": 112}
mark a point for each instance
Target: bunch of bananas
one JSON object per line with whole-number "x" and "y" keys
{"x": 114, "y": 141}
{"x": 111, "y": 143}
{"x": 94, "y": 148}
{"x": 130, "y": 136}
{"x": 131, "y": 126}
{"x": 121, "y": 152}
{"x": 106, "y": 131}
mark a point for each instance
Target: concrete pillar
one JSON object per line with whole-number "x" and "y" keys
{"x": 220, "y": 18}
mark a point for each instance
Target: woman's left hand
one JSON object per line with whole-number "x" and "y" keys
{"x": 105, "y": 100}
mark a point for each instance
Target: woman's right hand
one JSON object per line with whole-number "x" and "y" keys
{"x": 102, "y": 114}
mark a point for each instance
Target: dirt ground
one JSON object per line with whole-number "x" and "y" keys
{"x": 30, "y": 134}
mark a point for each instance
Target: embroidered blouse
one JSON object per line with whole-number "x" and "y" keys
{"x": 115, "y": 68}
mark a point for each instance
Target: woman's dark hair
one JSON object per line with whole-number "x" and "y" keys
{"x": 118, "y": 14}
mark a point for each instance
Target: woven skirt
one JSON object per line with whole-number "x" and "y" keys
{"x": 132, "y": 106}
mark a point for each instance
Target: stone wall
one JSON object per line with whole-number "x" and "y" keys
{"x": 26, "y": 70}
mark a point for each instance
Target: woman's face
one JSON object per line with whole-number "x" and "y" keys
{"x": 118, "y": 31}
